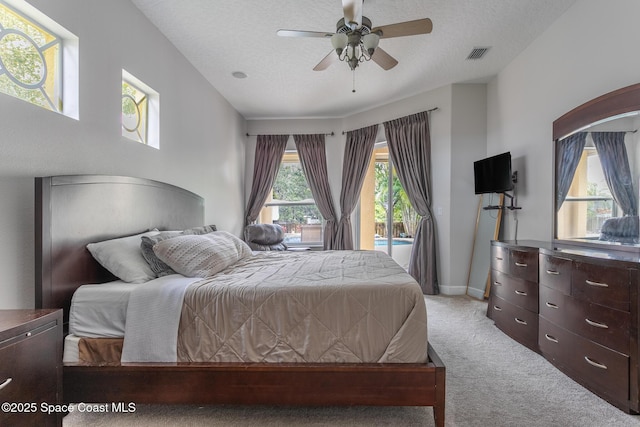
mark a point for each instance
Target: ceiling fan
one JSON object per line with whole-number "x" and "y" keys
{"x": 356, "y": 40}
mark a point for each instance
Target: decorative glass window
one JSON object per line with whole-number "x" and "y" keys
{"x": 140, "y": 111}
{"x": 134, "y": 112}
{"x": 30, "y": 60}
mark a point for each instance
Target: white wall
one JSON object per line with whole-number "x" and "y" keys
{"x": 202, "y": 143}
{"x": 590, "y": 50}
{"x": 458, "y": 137}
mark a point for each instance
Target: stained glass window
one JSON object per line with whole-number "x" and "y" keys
{"x": 30, "y": 58}
{"x": 134, "y": 112}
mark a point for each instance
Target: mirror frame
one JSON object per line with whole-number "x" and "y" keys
{"x": 624, "y": 100}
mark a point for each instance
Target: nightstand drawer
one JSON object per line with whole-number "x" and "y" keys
{"x": 31, "y": 365}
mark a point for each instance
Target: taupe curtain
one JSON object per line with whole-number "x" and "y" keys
{"x": 410, "y": 150}
{"x": 615, "y": 165}
{"x": 313, "y": 158}
{"x": 268, "y": 155}
{"x": 357, "y": 154}
{"x": 568, "y": 153}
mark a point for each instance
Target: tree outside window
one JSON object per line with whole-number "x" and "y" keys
{"x": 291, "y": 204}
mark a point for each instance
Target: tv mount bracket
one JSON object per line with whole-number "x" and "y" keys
{"x": 511, "y": 207}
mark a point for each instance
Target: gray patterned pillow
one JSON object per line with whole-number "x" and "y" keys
{"x": 202, "y": 255}
{"x": 157, "y": 266}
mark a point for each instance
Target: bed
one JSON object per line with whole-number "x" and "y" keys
{"x": 73, "y": 211}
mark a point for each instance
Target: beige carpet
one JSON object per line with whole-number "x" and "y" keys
{"x": 491, "y": 381}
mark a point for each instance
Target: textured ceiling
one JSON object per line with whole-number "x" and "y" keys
{"x": 221, "y": 37}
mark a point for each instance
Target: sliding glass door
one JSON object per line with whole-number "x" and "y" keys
{"x": 387, "y": 220}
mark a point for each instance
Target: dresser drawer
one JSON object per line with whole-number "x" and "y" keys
{"x": 555, "y": 272}
{"x": 518, "y": 323}
{"x": 500, "y": 258}
{"x": 602, "y": 370}
{"x": 608, "y": 286}
{"x": 597, "y": 323}
{"x": 516, "y": 291}
{"x": 524, "y": 264}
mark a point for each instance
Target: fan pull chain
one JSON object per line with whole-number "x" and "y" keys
{"x": 354, "y": 81}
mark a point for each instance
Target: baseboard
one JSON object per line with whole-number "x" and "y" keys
{"x": 452, "y": 290}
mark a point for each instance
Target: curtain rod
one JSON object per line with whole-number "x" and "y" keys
{"x": 428, "y": 111}
{"x": 325, "y": 134}
{"x": 594, "y": 131}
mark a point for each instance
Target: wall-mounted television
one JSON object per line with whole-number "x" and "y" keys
{"x": 493, "y": 174}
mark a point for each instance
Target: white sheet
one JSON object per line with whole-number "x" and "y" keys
{"x": 71, "y": 352}
{"x": 100, "y": 311}
{"x": 153, "y": 317}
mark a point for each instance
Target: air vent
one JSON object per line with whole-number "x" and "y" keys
{"x": 478, "y": 52}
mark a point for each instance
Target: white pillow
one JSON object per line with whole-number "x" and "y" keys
{"x": 123, "y": 258}
{"x": 201, "y": 255}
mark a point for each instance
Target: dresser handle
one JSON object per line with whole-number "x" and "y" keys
{"x": 596, "y": 364}
{"x": 596, "y": 324}
{"x": 521, "y": 264}
{"x": 522, "y": 322}
{"x": 495, "y": 282}
{"x": 550, "y": 338}
{"x": 4, "y": 384}
{"x": 551, "y": 305}
{"x": 597, "y": 284}
{"x": 496, "y": 308}
{"x": 522, "y": 293}
{"x": 553, "y": 272}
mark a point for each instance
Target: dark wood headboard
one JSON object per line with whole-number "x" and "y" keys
{"x": 73, "y": 210}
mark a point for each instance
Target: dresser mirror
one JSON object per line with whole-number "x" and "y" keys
{"x": 597, "y": 172}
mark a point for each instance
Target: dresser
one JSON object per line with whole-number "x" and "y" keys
{"x": 579, "y": 309}
{"x": 30, "y": 367}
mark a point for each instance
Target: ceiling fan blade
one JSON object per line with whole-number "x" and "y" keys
{"x": 299, "y": 33}
{"x": 383, "y": 59}
{"x": 352, "y": 12}
{"x": 326, "y": 61}
{"x": 409, "y": 28}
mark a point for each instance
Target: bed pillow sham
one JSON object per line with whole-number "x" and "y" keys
{"x": 160, "y": 268}
{"x": 123, "y": 258}
{"x": 202, "y": 255}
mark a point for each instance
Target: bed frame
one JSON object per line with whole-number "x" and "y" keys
{"x": 72, "y": 211}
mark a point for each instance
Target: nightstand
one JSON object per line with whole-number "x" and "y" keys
{"x": 30, "y": 367}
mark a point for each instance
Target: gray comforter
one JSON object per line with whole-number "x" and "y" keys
{"x": 325, "y": 307}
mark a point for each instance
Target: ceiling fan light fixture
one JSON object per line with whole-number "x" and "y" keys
{"x": 339, "y": 42}
{"x": 370, "y": 42}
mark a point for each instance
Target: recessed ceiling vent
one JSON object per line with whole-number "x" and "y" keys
{"x": 478, "y": 52}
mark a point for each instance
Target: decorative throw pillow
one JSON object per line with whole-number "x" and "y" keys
{"x": 157, "y": 266}
{"x": 122, "y": 257}
{"x": 201, "y": 255}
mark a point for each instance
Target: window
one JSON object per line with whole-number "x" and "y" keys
{"x": 139, "y": 111}
{"x": 30, "y": 60}
{"x": 291, "y": 205}
{"x": 589, "y": 202}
